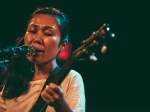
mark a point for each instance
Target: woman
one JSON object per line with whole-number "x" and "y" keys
{"x": 47, "y": 30}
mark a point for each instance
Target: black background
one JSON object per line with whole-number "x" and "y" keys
{"x": 119, "y": 80}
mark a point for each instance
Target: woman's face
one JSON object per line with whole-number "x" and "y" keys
{"x": 43, "y": 32}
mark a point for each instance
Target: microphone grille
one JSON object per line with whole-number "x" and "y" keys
{"x": 31, "y": 50}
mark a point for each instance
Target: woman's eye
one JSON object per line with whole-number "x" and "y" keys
{"x": 48, "y": 34}
{"x": 32, "y": 31}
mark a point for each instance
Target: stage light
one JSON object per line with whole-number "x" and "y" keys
{"x": 63, "y": 55}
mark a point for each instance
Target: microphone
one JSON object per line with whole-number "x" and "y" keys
{"x": 16, "y": 51}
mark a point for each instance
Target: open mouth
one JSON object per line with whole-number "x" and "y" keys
{"x": 38, "y": 50}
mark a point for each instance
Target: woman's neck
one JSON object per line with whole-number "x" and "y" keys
{"x": 42, "y": 71}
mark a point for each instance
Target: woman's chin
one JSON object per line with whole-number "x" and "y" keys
{"x": 35, "y": 59}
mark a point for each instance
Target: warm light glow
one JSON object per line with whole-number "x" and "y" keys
{"x": 63, "y": 55}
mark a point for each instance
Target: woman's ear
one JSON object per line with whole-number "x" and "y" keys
{"x": 63, "y": 46}
{"x": 64, "y": 51}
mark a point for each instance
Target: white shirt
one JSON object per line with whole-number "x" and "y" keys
{"x": 72, "y": 86}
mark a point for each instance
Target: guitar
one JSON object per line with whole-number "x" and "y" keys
{"x": 102, "y": 34}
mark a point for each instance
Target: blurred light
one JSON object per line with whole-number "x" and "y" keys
{"x": 113, "y": 35}
{"x": 108, "y": 28}
{"x": 63, "y": 55}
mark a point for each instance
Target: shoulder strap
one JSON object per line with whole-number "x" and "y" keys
{"x": 51, "y": 76}
{"x": 37, "y": 106}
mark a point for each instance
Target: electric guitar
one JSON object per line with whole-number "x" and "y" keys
{"x": 97, "y": 38}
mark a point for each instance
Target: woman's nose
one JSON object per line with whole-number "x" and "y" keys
{"x": 37, "y": 41}
{"x": 38, "y": 38}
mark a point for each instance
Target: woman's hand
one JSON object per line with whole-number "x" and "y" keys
{"x": 53, "y": 94}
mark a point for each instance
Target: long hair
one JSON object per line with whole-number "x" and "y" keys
{"x": 19, "y": 73}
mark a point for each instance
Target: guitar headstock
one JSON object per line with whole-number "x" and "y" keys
{"x": 98, "y": 38}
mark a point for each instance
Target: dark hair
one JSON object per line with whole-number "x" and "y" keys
{"x": 19, "y": 72}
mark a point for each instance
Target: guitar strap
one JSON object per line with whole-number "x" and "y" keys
{"x": 36, "y": 107}
{"x": 52, "y": 74}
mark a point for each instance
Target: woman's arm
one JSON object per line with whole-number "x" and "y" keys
{"x": 74, "y": 92}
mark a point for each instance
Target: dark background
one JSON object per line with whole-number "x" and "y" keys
{"x": 119, "y": 80}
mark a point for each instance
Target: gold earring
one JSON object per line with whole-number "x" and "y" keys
{"x": 61, "y": 48}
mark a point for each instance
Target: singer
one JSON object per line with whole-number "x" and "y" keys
{"x": 47, "y": 31}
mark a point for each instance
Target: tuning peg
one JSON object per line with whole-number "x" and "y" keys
{"x": 92, "y": 57}
{"x": 103, "y": 49}
{"x": 112, "y": 35}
